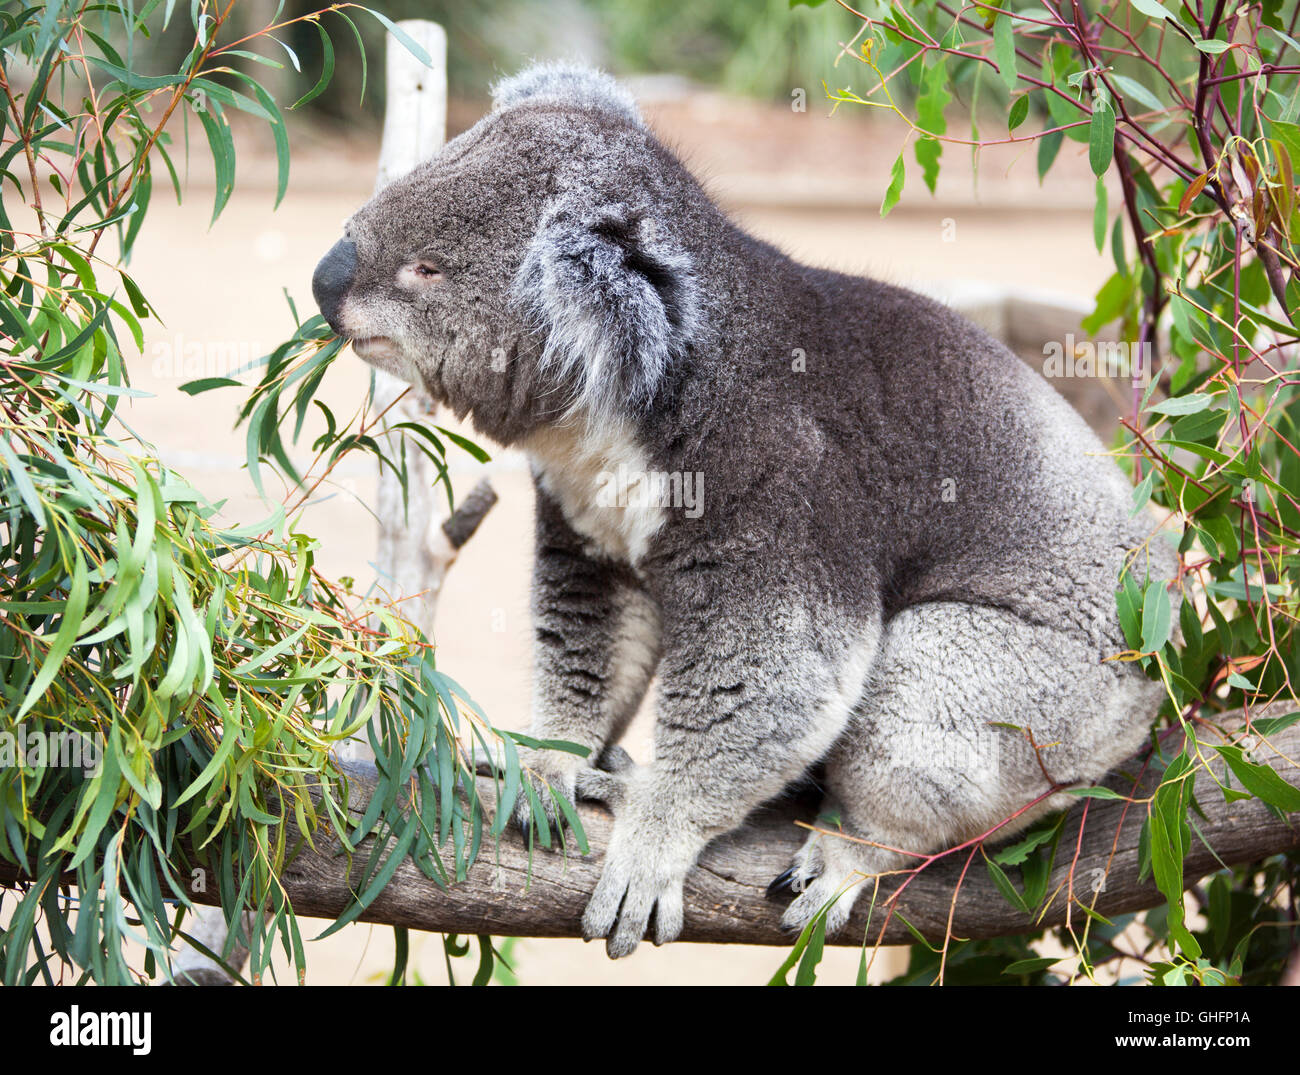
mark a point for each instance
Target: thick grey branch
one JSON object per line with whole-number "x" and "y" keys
{"x": 725, "y": 895}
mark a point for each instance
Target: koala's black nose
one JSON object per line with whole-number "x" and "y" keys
{"x": 332, "y": 278}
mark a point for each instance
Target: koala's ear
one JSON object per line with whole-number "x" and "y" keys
{"x": 568, "y": 84}
{"x": 614, "y": 299}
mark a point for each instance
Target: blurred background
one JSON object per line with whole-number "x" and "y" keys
{"x": 737, "y": 88}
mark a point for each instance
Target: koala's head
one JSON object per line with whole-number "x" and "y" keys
{"x": 535, "y": 268}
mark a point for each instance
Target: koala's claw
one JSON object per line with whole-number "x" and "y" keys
{"x": 622, "y": 911}
{"x": 827, "y": 875}
{"x": 641, "y": 884}
{"x": 819, "y": 875}
{"x": 552, "y": 821}
{"x": 523, "y": 814}
{"x": 786, "y": 883}
{"x": 809, "y": 864}
{"x": 605, "y": 783}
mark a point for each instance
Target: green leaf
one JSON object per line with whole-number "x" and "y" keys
{"x": 1169, "y": 838}
{"x": 1202, "y": 425}
{"x": 1289, "y": 135}
{"x": 1272, "y": 725}
{"x": 1003, "y": 884}
{"x": 549, "y": 744}
{"x": 1094, "y": 793}
{"x": 468, "y": 445}
{"x": 934, "y": 99}
{"x": 22, "y": 480}
{"x": 1182, "y": 405}
{"x": 928, "y": 152}
{"x": 327, "y": 70}
{"x": 1151, "y": 8}
{"x": 1138, "y": 92}
{"x": 385, "y": 874}
{"x": 484, "y": 973}
{"x": 575, "y": 822}
{"x": 134, "y": 81}
{"x": 225, "y": 748}
{"x": 1157, "y": 617}
{"x": 781, "y": 977}
{"x": 138, "y": 302}
{"x": 930, "y": 106}
{"x": 69, "y": 629}
{"x": 1019, "y": 851}
{"x": 1128, "y": 603}
{"x": 1019, "y": 111}
{"x": 1142, "y": 492}
{"x": 1101, "y": 136}
{"x": 812, "y": 955}
{"x": 1261, "y": 781}
{"x": 206, "y": 384}
{"x": 1117, "y": 249}
{"x": 1004, "y": 51}
{"x": 402, "y": 36}
{"x": 279, "y": 135}
{"x": 1032, "y": 966}
{"x": 895, "y": 189}
{"x": 223, "y": 154}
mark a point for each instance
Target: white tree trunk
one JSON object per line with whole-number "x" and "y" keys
{"x": 414, "y": 550}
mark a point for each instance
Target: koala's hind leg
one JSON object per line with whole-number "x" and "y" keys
{"x": 924, "y": 765}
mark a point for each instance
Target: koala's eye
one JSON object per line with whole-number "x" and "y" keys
{"x": 419, "y": 274}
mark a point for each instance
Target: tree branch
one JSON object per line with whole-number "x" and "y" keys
{"x": 726, "y": 899}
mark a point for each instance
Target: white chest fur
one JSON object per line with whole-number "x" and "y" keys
{"x": 597, "y": 478}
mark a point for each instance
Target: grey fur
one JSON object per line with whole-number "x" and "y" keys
{"x": 908, "y": 543}
{"x": 608, "y": 332}
{"x": 568, "y": 85}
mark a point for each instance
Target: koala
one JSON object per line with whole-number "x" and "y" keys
{"x": 900, "y": 558}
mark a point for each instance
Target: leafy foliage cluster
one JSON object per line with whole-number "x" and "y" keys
{"x": 1190, "y": 110}
{"x": 206, "y": 672}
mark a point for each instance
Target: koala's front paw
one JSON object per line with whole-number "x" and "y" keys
{"x": 574, "y": 778}
{"x": 644, "y": 873}
{"x": 547, "y": 772}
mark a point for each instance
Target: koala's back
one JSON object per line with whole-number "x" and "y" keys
{"x": 914, "y": 443}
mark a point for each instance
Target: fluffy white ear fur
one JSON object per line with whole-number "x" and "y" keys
{"x": 565, "y": 83}
{"x": 614, "y": 300}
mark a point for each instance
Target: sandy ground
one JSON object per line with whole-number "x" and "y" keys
{"x": 220, "y": 293}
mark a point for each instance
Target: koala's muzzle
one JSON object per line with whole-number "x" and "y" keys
{"x": 332, "y": 278}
